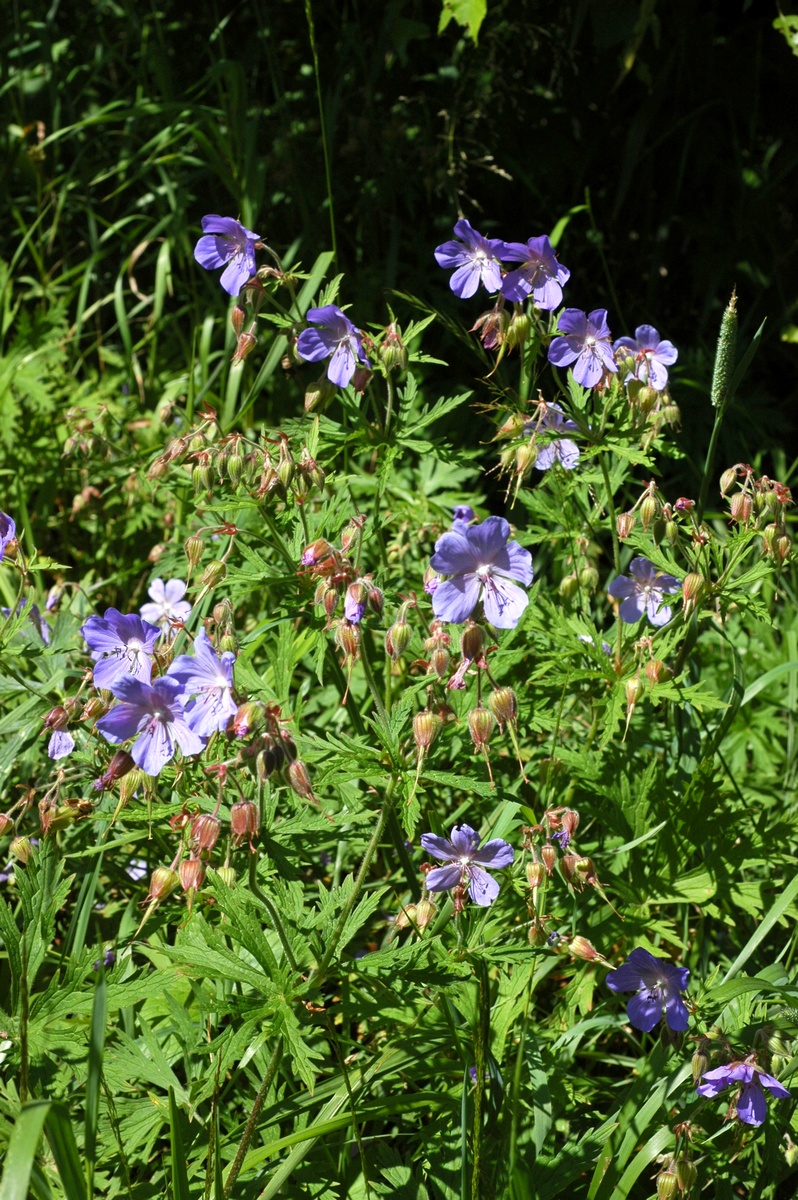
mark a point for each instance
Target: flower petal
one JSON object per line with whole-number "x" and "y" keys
{"x": 751, "y": 1106}
{"x": 504, "y": 602}
{"x": 644, "y": 1011}
{"x": 482, "y": 887}
{"x": 465, "y": 841}
{"x": 495, "y": 854}
{"x": 454, "y": 554}
{"x": 438, "y": 847}
{"x": 455, "y": 599}
{"x": 440, "y": 879}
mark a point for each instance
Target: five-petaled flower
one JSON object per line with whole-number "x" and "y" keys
{"x": 750, "y": 1103}
{"x": 227, "y": 241}
{"x": 482, "y": 563}
{"x": 157, "y": 715}
{"x": 561, "y": 450}
{"x": 209, "y": 679}
{"x": 641, "y": 592}
{"x": 475, "y": 259}
{"x": 540, "y": 274}
{"x": 658, "y": 984}
{"x": 585, "y": 342}
{"x": 652, "y": 356}
{"x": 8, "y": 531}
{"x": 167, "y": 603}
{"x": 339, "y": 340}
{"x": 466, "y": 862}
{"x": 120, "y": 646}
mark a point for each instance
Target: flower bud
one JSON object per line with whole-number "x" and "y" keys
{"x": 648, "y": 510}
{"x": 191, "y": 872}
{"x": 6, "y": 823}
{"x": 426, "y": 911}
{"x": 473, "y": 642}
{"x": 440, "y": 661}
{"x": 130, "y": 785}
{"x": 205, "y": 830}
{"x": 658, "y": 672}
{"x": 693, "y": 587}
{"x": 237, "y": 318}
{"x": 481, "y": 722}
{"x": 672, "y": 532}
{"x": 405, "y": 917}
{"x": 699, "y": 1064}
{"x": 361, "y": 379}
{"x": 686, "y": 1174}
{"x": 299, "y": 778}
{"x": 647, "y": 397}
{"x": 581, "y": 948}
{"x": 163, "y": 881}
{"x": 227, "y": 876}
{"x": 667, "y": 1185}
{"x": 548, "y": 854}
{"x": 393, "y": 351}
{"x": 193, "y": 547}
{"x": 568, "y": 867}
{"x": 626, "y": 523}
{"x": 569, "y": 586}
{"x": 92, "y": 709}
{"x": 376, "y": 599}
{"x": 728, "y": 480}
{"x": 318, "y": 394}
{"x": 741, "y": 506}
{"x": 286, "y": 469}
{"x": 658, "y": 530}
{"x": 396, "y": 639}
{"x": 635, "y": 690}
{"x": 535, "y": 874}
{"x": 246, "y": 344}
{"x": 783, "y": 547}
{"x": 519, "y": 329}
{"x": 119, "y": 766}
{"x": 588, "y": 579}
{"x": 537, "y": 933}
{"x": 248, "y": 717}
{"x": 21, "y": 849}
{"x": 235, "y": 469}
{"x": 347, "y": 637}
{"x": 585, "y": 868}
{"x": 57, "y": 718}
{"x": 672, "y": 415}
{"x": 426, "y": 727}
{"x": 503, "y": 703}
{"x": 355, "y": 601}
{"x": 316, "y": 552}
{"x": 243, "y": 820}
{"x": 214, "y": 573}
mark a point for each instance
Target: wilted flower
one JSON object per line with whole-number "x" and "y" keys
{"x": 475, "y": 259}
{"x": 156, "y": 714}
{"x": 227, "y": 241}
{"x": 539, "y": 274}
{"x": 641, "y": 592}
{"x": 121, "y": 646}
{"x": 750, "y": 1104}
{"x": 167, "y": 603}
{"x": 658, "y": 984}
{"x": 482, "y": 562}
{"x": 209, "y": 679}
{"x": 8, "y": 531}
{"x": 466, "y": 863}
{"x": 561, "y": 450}
{"x": 586, "y": 343}
{"x": 340, "y": 339}
{"x": 651, "y": 356}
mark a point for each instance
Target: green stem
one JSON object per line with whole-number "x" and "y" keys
{"x": 708, "y": 464}
{"x": 279, "y": 928}
{"x": 249, "y": 1129}
{"x": 616, "y": 545}
{"x": 372, "y": 683}
{"x": 327, "y": 170}
{"x": 389, "y": 404}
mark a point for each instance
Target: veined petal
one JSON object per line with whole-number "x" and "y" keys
{"x": 504, "y": 602}
{"x": 564, "y": 350}
{"x": 516, "y": 562}
{"x": 465, "y": 841}
{"x": 465, "y": 280}
{"x": 314, "y": 345}
{"x": 751, "y": 1106}
{"x": 237, "y": 272}
{"x": 454, "y": 554}
{"x": 644, "y": 1010}
{"x": 482, "y": 887}
{"x": 455, "y": 599}
{"x": 154, "y": 748}
{"x": 440, "y": 879}
{"x": 676, "y": 1013}
{"x": 773, "y": 1085}
{"x": 438, "y": 847}
{"x": 495, "y": 854}
{"x": 342, "y": 364}
{"x": 489, "y": 538}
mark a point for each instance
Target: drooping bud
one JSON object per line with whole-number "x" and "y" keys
{"x": 246, "y": 344}
{"x": 193, "y": 546}
{"x": 192, "y": 873}
{"x": 440, "y": 661}
{"x": 299, "y": 778}
{"x": 243, "y": 821}
{"x": 57, "y": 718}
{"x": 658, "y": 672}
{"x": 569, "y": 820}
{"x": 635, "y": 690}
{"x": 235, "y": 469}
{"x": 519, "y": 329}
{"x": 686, "y": 1174}
{"x": 569, "y": 586}
{"x": 568, "y": 867}
{"x": 426, "y": 911}
{"x": 473, "y": 642}
{"x": 21, "y": 849}
{"x": 503, "y": 703}
{"x": 647, "y": 397}
{"x": 699, "y": 1064}
{"x": 667, "y": 1184}
{"x": 119, "y": 766}
{"x": 397, "y": 638}
{"x": 648, "y": 510}
{"x": 405, "y": 917}
{"x": 214, "y": 573}
{"x": 535, "y": 874}
{"x": 163, "y": 881}
{"x": 588, "y": 579}
{"x": 238, "y": 316}
{"x": 376, "y": 599}
{"x": 393, "y": 351}
{"x": 6, "y": 823}
{"x": 581, "y": 948}
{"x": 548, "y": 854}
{"x": 227, "y": 875}
{"x": 355, "y": 601}
{"x": 538, "y": 935}
{"x": 692, "y": 590}
{"x": 728, "y": 480}
{"x": 426, "y": 727}
{"x": 318, "y": 394}
{"x": 92, "y": 709}
{"x": 248, "y": 718}
{"x": 626, "y": 523}
{"x": 347, "y": 637}
{"x": 481, "y": 723}
{"x": 205, "y": 829}
{"x": 741, "y": 506}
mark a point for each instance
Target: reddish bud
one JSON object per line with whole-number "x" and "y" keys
{"x": 569, "y": 820}
{"x": 214, "y": 573}
{"x": 244, "y": 820}
{"x": 548, "y": 853}
{"x": 396, "y": 639}
{"x": 6, "y": 823}
{"x": 481, "y": 723}
{"x": 504, "y": 706}
{"x": 626, "y": 523}
{"x": 693, "y": 587}
{"x": 191, "y": 872}
{"x": 246, "y": 344}
{"x": 426, "y": 727}
{"x": 248, "y": 717}
{"x": 741, "y": 506}
{"x": 237, "y": 318}
{"x": 473, "y": 642}
{"x": 440, "y": 661}
{"x": 119, "y": 766}
{"x": 299, "y": 778}
{"x": 581, "y": 948}
{"x": 163, "y": 881}
{"x": 205, "y": 830}
{"x": 57, "y": 718}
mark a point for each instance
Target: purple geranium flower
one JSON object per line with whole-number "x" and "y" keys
{"x": 658, "y": 985}
{"x": 482, "y": 563}
{"x": 561, "y": 450}
{"x": 61, "y": 743}
{"x": 475, "y": 259}
{"x": 750, "y": 1104}
{"x": 465, "y": 863}
{"x": 539, "y": 275}
{"x": 586, "y": 342}
{"x": 228, "y": 242}
{"x": 462, "y": 516}
{"x": 641, "y": 592}
{"x": 167, "y": 603}
{"x": 210, "y": 679}
{"x": 652, "y": 356}
{"x": 8, "y": 531}
{"x": 156, "y": 714}
{"x": 120, "y": 646}
{"x": 340, "y": 338}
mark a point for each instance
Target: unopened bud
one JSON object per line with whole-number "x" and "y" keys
{"x": 6, "y": 823}
{"x": 526, "y": 455}
{"x": 246, "y": 344}
{"x": 193, "y": 546}
{"x": 535, "y": 874}
{"x": 686, "y": 1174}
{"x": 243, "y": 820}
{"x": 658, "y": 672}
{"x": 569, "y": 586}
{"x": 376, "y": 599}
{"x": 658, "y": 530}
{"x": 248, "y": 717}
{"x": 783, "y": 547}
{"x": 568, "y": 867}
{"x": 647, "y": 397}
{"x": 692, "y": 590}
{"x": 227, "y": 875}
{"x": 626, "y": 523}
{"x": 585, "y": 868}
{"x": 92, "y": 709}
{"x": 426, "y": 727}
{"x": 393, "y": 351}
{"x": 672, "y": 415}
{"x": 205, "y": 830}
{"x": 667, "y": 1185}
{"x": 473, "y": 642}
{"x": 361, "y": 379}
{"x": 397, "y": 638}
{"x": 405, "y": 917}
{"x": 299, "y": 778}
{"x": 192, "y": 873}
{"x": 581, "y": 948}
{"x": 440, "y": 661}
{"x": 741, "y": 505}
{"x": 21, "y": 849}
{"x": 235, "y": 469}
{"x": 537, "y": 933}
{"x": 728, "y": 480}
{"x": 548, "y": 854}
{"x": 426, "y": 911}
{"x": 355, "y": 601}
{"x": 588, "y": 579}
{"x": 318, "y": 394}
{"x": 347, "y": 637}
{"x": 699, "y": 1064}
{"x": 635, "y": 690}
{"x": 648, "y": 510}
{"x": 672, "y": 532}
{"x": 119, "y": 766}
{"x": 214, "y": 573}
{"x": 519, "y": 329}
{"x": 481, "y": 723}
{"x": 503, "y": 703}
{"x": 163, "y": 881}
{"x": 237, "y": 318}
{"x": 57, "y": 718}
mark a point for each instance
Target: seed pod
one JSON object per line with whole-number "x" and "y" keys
{"x": 214, "y": 573}
{"x": 163, "y": 881}
{"x": 192, "y": 873}
{"x": 426, "y": 727}
{"x": 481, "y": 723}
{"x": 724, "y": 356}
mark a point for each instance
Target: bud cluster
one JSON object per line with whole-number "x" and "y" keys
{"x": 759, "y": 504}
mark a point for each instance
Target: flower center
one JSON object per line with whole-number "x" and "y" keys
{"x": 484, "y": 572}
{"x": 590, "y": 343}
{"x": 135, "y": 647}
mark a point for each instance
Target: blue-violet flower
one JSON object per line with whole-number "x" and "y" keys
{"x": 209, "y": 679}
{"x": 641, "y": 592}
{"x": 8, "y": 531}
{"x": 157, "y": 715}
{"x": 166, "y": 603}
{"x": 120, "y": 646}
{"x": 652, "y": 356}
{"x": 540, "y": 275}
{"x": 466, "y": 863}
{"x": 339, "y": 338}
{"x": 561, "y": 450}
{"x": 482, "y": 563}
{"x": 229, "y": 244}
{"x": 658, "y": 984}
{"x": 750, "y": 1104}
{"x": 585, "y": 342}
{"x": 475, "y": 259}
